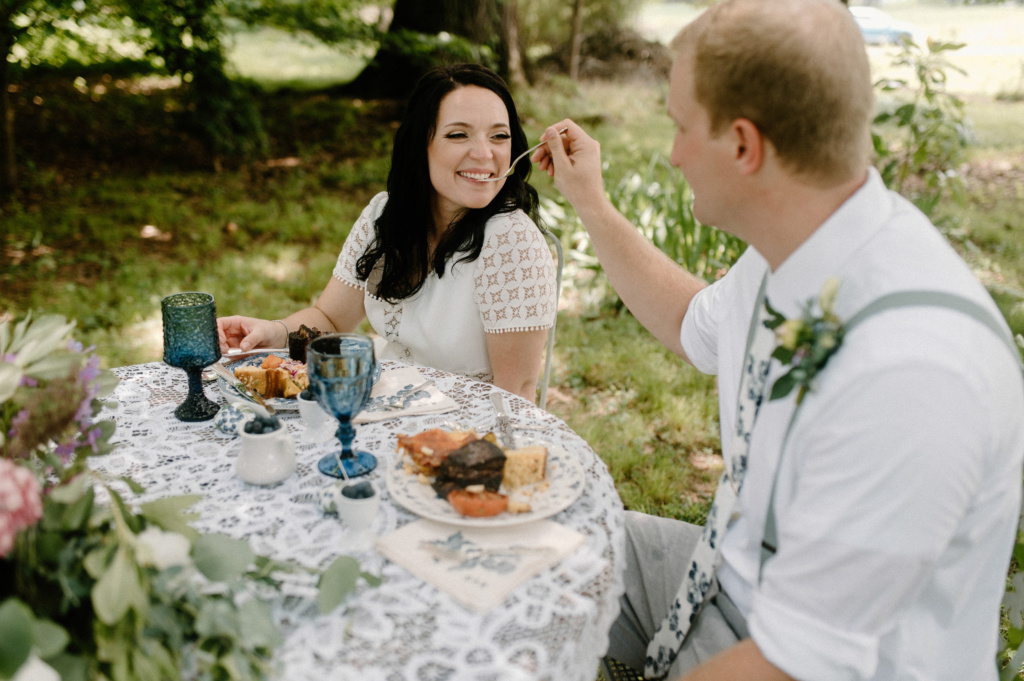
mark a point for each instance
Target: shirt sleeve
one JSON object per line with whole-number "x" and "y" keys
{"x": 514, "y": 283}
{"x": 359, "y": 239}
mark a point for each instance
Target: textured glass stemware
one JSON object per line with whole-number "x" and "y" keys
{"x": 190, "y": 343}
{"x": 341, "y": 368}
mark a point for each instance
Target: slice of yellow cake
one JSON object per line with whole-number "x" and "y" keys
{"x": 525, "y": 466}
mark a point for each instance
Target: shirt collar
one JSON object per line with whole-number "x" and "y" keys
{"x": 825, "y": 253}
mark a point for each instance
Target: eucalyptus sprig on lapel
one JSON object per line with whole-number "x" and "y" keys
{"x": 805, "y": 343}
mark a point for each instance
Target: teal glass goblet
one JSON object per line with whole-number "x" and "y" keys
{"x": 342, "y": 368}
{"x": 191, "y": 343}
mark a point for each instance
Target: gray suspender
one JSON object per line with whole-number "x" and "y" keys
{"x": 887, "y": 302}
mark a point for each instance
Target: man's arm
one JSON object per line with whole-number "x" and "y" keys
{"x": 654, "y": 288}
{"x": 741, "y": 662}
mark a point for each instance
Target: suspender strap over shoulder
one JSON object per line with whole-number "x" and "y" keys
{"x": 885, "y": 303}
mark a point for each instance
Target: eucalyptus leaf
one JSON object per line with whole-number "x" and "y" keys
{"x": 221, "y": 558}
{"x": 258, "y": 628}
{"x": 15, "y": 636}
{"x": 118, "y": 589}
{"x": 169, "y": 513}
{"x": 337, "y": 582}
{"x": 50, "y": 638}
{"x": 70, "y": 492}
{"x": 218, "y": 618}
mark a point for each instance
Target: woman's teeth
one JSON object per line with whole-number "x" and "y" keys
{"x": 476, "y": 176}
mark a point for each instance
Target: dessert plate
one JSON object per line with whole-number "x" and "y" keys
{"x": 565, "y": 483}
{"x": 236, "y": 398}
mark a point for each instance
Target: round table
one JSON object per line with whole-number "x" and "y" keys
{"x": 554, "y": 626}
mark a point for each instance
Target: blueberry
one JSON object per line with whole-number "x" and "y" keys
{"x": 360, "y": 490}
{"x": 306, "y": 394}
{"x": 250, "y": 427}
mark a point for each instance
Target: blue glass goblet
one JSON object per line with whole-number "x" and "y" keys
{"x": 341, "y": 368}
{"x": 190, "y": 343}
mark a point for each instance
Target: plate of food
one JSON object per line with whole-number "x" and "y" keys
{"x": 461, "y": 478}
{"x": 271, "y": 375}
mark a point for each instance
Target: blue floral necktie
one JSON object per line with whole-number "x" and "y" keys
{"x": 664, "y": 647}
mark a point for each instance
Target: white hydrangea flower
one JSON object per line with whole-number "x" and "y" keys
{"x": 163, "y": 549}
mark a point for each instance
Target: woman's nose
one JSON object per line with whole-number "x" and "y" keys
{"x": 481, "y": 149}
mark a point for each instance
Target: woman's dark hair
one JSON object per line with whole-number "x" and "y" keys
{"x": 400, "y": 240}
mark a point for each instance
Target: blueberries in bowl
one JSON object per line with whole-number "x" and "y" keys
{"x": 360, "y": 490}
{"x": 261, "y": 425}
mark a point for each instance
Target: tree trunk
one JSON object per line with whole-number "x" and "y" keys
{"x": 393, "y": 71}
{"x": 576, "y": 40}
{"x": 9, "y": 170}
{"x": 512, "y": 65}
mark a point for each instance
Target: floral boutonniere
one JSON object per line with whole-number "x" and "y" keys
{"x": 807, "y": 342}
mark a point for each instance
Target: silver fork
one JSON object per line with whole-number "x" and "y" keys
{"x": 512, "y": 166}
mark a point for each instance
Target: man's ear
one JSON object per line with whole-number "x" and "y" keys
{"x": 749, "y": 146}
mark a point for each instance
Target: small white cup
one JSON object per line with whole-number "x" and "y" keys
{"x": 319, "y": 425}
{"x": 356, "y": 514}
{"x": 266, "y": 458}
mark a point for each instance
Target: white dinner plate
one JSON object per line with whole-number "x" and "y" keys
{"x": 234, "y": 397}
{"x": 564, "y": 486}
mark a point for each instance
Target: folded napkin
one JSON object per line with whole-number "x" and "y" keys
{"x": 399, "y": 387}
{"x": 478, "y": 566}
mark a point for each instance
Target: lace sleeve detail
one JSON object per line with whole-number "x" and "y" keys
{"x": 359, "y": 239}
{"x": 515, "y": 277}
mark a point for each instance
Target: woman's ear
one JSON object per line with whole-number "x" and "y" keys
{"x": 749, "y": 146}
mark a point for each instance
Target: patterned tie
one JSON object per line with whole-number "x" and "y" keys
{"x": 664, "y": 647}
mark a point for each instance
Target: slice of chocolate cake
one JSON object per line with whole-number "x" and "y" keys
{"x": 478, "y": 463}
{"x": 298, "y": 340}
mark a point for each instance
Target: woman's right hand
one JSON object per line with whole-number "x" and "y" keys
{"x": 246, "y": 333}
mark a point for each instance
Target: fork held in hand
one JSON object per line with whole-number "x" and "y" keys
{"x": 512, "y": 166}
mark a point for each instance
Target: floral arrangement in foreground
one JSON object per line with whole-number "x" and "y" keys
{"x": 91, "y": 588}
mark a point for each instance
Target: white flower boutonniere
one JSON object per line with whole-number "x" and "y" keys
{"x": 807, "y": 342}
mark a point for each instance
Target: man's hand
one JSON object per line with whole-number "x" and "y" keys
{"x": 573, "y": 160}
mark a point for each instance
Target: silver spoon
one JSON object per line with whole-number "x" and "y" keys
{"x": 512, "y": 166}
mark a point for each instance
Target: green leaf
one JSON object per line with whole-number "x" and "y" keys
{"x": 10, "y": 378}
{"x": 132, "y": 485}
{"x": 129, "y": 518}
{"x": 118, "y": 589}
{"x": 169, "y": 513}
{"x": 70, "y": 667}
{"x": 337, "y": 582}
{"x": 15, "y": 636}
{"x": 783, "y": 386}
{"x": 221, "y": 558}
{"x": 50, "y": 638}
{"x": 258, "y": 629}
{"x": 217, "y": 618}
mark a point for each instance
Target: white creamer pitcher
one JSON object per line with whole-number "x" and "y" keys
{"x": 266, "y": 458}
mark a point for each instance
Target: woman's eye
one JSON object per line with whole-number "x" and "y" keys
{"x": 502, "y": 136}
{"x": 456, "y": 136}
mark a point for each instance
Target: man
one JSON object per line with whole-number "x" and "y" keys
{"x": 895, "y": 487}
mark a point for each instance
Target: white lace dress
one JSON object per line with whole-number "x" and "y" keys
{"x": 510, "y": 287}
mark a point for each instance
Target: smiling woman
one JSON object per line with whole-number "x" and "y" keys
{"x": 448, "y": 265}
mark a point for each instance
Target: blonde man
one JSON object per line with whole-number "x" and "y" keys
{"x": 888, "y": 492}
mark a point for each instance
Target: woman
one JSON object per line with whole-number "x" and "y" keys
{"x": 447, "y": 265}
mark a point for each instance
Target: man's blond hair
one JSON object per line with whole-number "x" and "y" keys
{"x": 797, "y": 69}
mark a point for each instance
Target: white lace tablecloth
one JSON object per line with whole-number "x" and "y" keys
{"x": 552, "y": 627}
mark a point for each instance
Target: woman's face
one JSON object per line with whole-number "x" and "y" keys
{"x": 472, "y": 141}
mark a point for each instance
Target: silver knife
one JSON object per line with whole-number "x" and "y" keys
{"x": 222, "y": 371}
{"x": 504, "y": 425}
